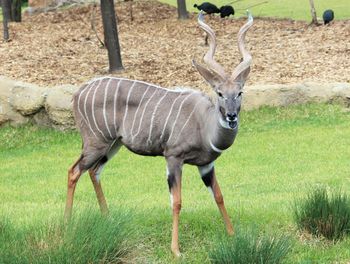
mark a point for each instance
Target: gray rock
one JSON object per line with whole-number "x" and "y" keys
{"x": 7, "y": 113}
{"x": 27, "y": 98}
{"x": 42, "y": 119}
{"x": 287, "y": 94}
{"x": 341, "y": 93}
{"x": 59, "y": 106}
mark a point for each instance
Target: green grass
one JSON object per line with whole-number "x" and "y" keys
{"x": 324, "y": 214}
{"x": 89, "y": 238}
{"x": 296, "y": 9}
{"x": 248, "y": 246}
{"x": 278, "y": 155}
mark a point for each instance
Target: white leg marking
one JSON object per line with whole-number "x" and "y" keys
{"x": 115, "y": 108}
{"x": 143, "y": 112}
{"x": 93, "y": 112}
{"x": 127, "y": 105}
{"x": 137, "y": 110}
{"x": 98, "y": 173}
{"x": 188, "y": 119}
{"x": 203, "y": 170}
{"x": 215, "y": 148}
{"x": 211, "y": 191}
{"x": 178, "y": 114}
{"x": 171, "y": 200}
{"x": 167, "y": 119}
{"x": 167, "y": 172}
{"x": 81, "y": 114}
{"x": 104, "y": 107}
{"x": 154, "y": 115}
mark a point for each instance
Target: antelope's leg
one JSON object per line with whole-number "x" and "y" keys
{"x": 94, "y": 176}
{"x": 74, "y": 174}
{"x": 174, "y": 170}
{"x": 208, "y": 176}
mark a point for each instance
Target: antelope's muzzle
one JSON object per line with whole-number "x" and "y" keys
{"x": 232, "y": 119}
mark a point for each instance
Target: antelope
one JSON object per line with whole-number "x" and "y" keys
{"x": 184, "y": 126}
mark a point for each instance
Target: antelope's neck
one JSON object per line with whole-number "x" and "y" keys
{"x": 220, "y": 137}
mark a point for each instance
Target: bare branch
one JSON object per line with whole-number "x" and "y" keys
{"x": 93, "y": 25}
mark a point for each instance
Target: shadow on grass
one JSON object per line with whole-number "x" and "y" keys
{"x": 88, "y": 238}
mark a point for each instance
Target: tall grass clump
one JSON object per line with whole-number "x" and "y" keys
{"x": 324, "y": 214}
{"x": 87, "y": 238}
{"x": 250, "y": 247}
{"x": 12, "y": 246}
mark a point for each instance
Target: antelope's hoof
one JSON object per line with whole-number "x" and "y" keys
{"x": 230, "y": 232}
{"x": 176, "y": 253}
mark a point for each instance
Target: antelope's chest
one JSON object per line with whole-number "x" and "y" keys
{"x": 201, "y": 157}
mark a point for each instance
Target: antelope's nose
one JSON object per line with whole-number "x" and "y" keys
{"x": 231, "y": 116}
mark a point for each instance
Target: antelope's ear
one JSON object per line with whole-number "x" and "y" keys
{"x": 212, "y": 78}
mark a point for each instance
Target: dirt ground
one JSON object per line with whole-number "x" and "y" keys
{"x": 60, "y": 47}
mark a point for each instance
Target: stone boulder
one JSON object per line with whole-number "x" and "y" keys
{"x": 341, "y": 94}
{"x": 7, "y": 113}
{"x": 27, "y": 98}
{"x": 59, "y": 106}
{"x": 287, "y": 94}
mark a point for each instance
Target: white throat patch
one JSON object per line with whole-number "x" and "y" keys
{"x": 215, "y": 148}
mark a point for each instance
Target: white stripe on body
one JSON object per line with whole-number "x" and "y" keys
{"x": 104, "y": 107}
{"x": 143, "y": 112}
{"x": 85, "y": 102}
{"x": 81, "y": 114}
{"x": 142, "y": 82}
{"x": 178, "y": 114}
{"x": 137, "y": 110}
{"x": 93, "y": 111}
{"x": 153, "y": 116}
{"x": 127, "y": 105}
{"x": 188, "y": 119}
{"x": 115, "y": 108}
{"x": 167, "y": 119}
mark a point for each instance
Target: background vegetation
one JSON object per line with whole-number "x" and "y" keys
{"x": 279, "y": 154}
{"x": 297, "y": 9}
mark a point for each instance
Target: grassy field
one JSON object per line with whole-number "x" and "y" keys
{"x": 279, "y": 155}
{"x": 297, "y": 9}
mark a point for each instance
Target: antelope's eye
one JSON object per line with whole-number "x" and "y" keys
{"x": 240, "y": 93}
{"x": 219, "y": 94}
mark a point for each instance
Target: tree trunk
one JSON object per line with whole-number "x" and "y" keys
{"x": 313, "y": 13}
{"x": 181, "y": 9}
{"x": 6, "y": 11}
{"x": 111, "y": 35}
{"x": 16, "y": 10}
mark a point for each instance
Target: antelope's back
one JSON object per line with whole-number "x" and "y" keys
{"x": 145, "y": 117}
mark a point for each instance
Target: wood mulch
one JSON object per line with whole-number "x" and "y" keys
{"x": 60, "y": 47}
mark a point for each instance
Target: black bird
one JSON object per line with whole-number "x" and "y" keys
{"x": 208, "y": 8}
{"x": 328, "y": 16}
{"x": 226, "y": 11}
